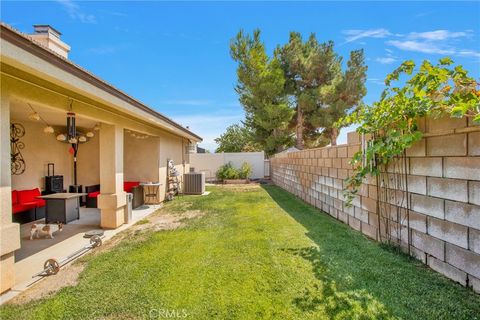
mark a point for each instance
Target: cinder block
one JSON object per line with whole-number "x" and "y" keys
{"x": 353, "y": 137}
{"x": 369, "y": 204}
{"x": 451, "y": 189}
{"x": 474, "y": 240}
{"x": 342, "y": 173}
{"x": 354, "y": 223}
{"x": 346, "y": 163}
{"x": 448, "y": 270}
{"x": 450, "y": 145}
{"x": 342, "y": 216}
{"x": 351, "y": 150}
{"x": 445, "y": 123}
{"x": 328, "y": 162}
{"x": 418, "y": 149}
{"x": 342, "y": 152}
{"x": 372, "y": 192}
{"x": 332, "y": 152}
{"x": 417, "y": 221}
{"x": 474, "y": 192}
{"x": 448, "y": 231}
{"x": 474, "y": 143}
{"x": 369, "y": 231}
{"x": 429, "y": 244}
{"x": 325, "y": 171}
{"x": 361, "y": 214}
{"x": 462, "y": 168}
{"x": 332, "y": 172}
{"x": 337, "y": 163}
{"x": 463, "y": 259}
{"x": 463, "y": 213}
{"x": 417, "y": 184}
{"x": 373, "y": 219}
{"x": 433, "y": 207}
{"x": 426, "y": 167}
{"x": 474, "y": 283}
{"x": 419, "y": 254}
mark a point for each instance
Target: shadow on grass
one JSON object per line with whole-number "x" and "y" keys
{"x": 361, "y": 279}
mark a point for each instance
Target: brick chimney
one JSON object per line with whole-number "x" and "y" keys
{"x": 50, "y": 38}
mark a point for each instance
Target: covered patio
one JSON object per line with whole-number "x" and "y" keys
{"x": 120, "y": 144}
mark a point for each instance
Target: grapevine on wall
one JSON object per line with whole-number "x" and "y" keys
{"x": 390, "y": 125}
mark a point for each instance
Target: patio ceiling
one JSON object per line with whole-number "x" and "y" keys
{"x": 20, "y": 111}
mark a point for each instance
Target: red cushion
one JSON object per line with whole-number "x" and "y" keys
{"x": 93, "y": 194}
{"x": 22, "y": 207}
{"x": 37, "y": 203}
{"x": 14, "y": 197}
{"x": 128, "y": 185}
{"x": 28, "y": 195}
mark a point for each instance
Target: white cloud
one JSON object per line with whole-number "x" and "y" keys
{"x": 420, "y": 46}
{"x": 386, "y": 60}
{"x": 353, "y": 35}
{"x": 76, "y": 13}
{"x": 437, "y": 35}
{"x": 469, "y": 53}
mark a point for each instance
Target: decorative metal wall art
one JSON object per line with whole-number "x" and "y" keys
{"x": 17, "y": 131}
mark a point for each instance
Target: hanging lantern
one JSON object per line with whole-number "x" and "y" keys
{"x": 82, "y": 139}
{"x": 48, "y": 129}
{"x": 72, "y": 140}
{"x": 90, "y": 134}
{"x": 61, "y": 137}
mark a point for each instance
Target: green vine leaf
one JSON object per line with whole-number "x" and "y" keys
{"x": 432, "y": 91}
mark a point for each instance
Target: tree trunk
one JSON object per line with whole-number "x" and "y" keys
{"x": 333, "y": 138}
{"x": 299, "y": 129}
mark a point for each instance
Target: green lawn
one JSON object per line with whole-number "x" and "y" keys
{"x": 258, "y": 253}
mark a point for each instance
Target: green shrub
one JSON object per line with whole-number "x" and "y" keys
{"x": 245, "y": 171}
{"x": 228, "y": 171}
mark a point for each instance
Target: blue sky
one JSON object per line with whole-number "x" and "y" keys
{"x": 174, "y": 56}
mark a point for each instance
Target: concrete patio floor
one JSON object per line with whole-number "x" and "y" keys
{"x": 29, "y": 259}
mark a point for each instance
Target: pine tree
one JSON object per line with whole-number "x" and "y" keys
{"x": 261, "y": 84}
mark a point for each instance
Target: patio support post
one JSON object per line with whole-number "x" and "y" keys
{"x": 112, "y": 198}
{"x": 9, "y": 232}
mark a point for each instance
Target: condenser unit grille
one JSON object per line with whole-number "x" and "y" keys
{"x": 194, "y": 183}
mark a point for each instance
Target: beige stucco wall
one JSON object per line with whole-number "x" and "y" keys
{"x": 141, "y": 158}
{"x": 171, "y": 147}
{"x": 40, "y": 149}
{"x": 88, "y": 162}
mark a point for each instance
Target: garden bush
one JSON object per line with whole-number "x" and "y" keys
{"x": 228, "y": 171}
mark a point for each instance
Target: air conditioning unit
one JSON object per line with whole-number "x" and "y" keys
{"x": 194, "y": 183}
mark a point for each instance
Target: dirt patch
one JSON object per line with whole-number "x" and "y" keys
{"x": 68, "y": 275}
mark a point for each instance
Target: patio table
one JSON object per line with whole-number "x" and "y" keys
{"x": 62, "y": 207}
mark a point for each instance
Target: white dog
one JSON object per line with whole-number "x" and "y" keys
{"x": 47, "y": 229}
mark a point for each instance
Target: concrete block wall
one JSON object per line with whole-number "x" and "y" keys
{"x": 431, "y": 207}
